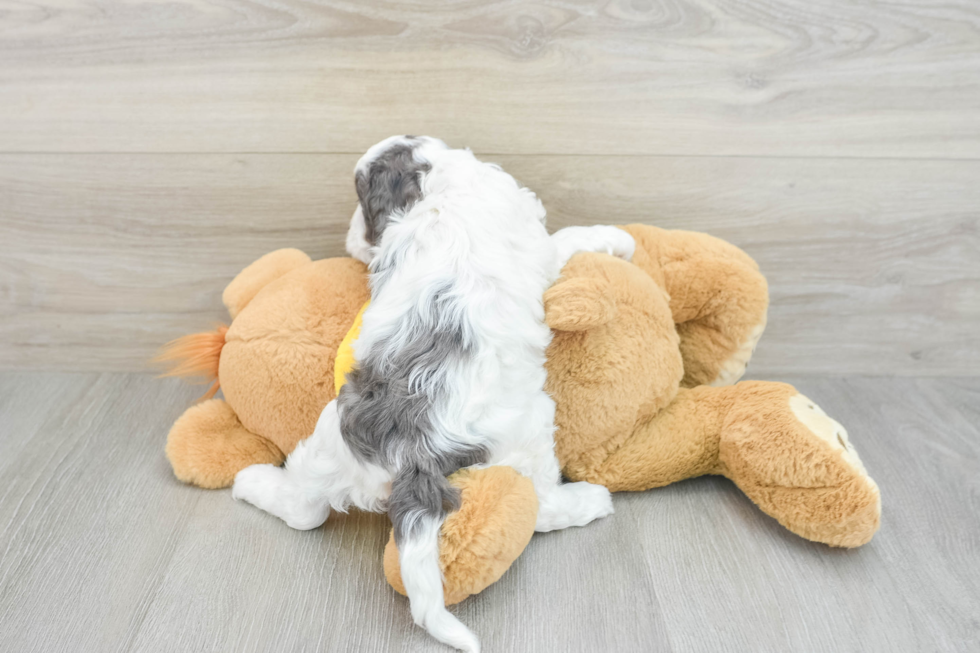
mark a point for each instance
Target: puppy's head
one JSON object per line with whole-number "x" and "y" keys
{"x": 388, "y": 179}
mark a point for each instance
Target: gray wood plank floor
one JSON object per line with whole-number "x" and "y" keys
{"x": 101, "y": 549}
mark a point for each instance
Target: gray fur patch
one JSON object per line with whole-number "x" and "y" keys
{"x": 386, "y": 412}
{"x": 392, "y": 182}
{"x": 419, "y": 492}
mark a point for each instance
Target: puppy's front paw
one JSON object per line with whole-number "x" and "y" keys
{"x": 617, "y": 242}
{"x": 600, "y": 238}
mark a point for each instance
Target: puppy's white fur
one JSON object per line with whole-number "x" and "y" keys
{"x": 476, "y": 232}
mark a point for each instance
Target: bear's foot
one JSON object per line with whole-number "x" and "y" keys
{"x": 799, "y": 466}
{"x": 208, "y": 445}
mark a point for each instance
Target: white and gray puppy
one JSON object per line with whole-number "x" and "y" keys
{"x": 449, "y": 363}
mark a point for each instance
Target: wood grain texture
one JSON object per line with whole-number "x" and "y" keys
{"x": 705, "y": 77}
{"x": 101, "y": 549}
{"x": 874, "y": 265}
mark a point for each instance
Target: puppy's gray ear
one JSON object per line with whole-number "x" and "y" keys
{"x": 579, "y": 304}
{"x": 391, "y": 182}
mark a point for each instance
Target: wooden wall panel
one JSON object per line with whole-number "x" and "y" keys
{"x": 705, "y": 77}
{"x": 874, "y": 265}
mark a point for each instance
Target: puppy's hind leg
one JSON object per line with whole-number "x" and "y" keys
{"x": 271, "y": 489}
{"x": 319, "y": 474}
{"x": 559, "y": 505}
{"x": 572, "y": 504}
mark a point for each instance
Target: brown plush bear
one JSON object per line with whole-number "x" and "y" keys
{"x": 636, "y": 348}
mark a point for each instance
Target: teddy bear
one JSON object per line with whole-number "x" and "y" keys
{"x": 641, "y": 367}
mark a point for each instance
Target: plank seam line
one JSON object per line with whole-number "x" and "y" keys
{"x": 508, "y": 154}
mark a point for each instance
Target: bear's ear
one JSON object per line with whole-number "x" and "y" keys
{"x": 579, "y": 304}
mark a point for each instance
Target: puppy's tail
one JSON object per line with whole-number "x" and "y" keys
{"x": 420, "y": 499}
{"x": 197, "y": 354}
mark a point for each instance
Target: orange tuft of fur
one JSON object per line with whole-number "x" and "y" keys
{"x": 197, "y": 354}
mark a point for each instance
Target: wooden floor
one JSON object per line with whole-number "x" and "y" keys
{"x": 102, "y": 550}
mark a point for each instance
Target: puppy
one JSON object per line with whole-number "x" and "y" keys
{"x": 449, "y": 363}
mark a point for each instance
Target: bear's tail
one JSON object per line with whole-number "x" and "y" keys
{"x": 197, "y": 354}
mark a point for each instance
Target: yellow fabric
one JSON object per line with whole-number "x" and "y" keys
{"x": 344, "y": 362}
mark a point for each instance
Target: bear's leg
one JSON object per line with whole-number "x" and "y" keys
{"x": 208, "y": 445}
{"x": 798, "y": 465}
{"x": 724, "y": 302}
{"x": 718, "y": 299}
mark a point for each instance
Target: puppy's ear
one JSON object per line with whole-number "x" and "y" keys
{"x": 391, "y": 182}
{"x": 579, "y": 304}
